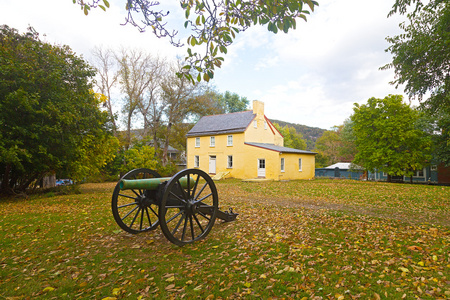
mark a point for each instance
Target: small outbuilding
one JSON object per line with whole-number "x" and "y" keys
{"x": 341, "y": 170}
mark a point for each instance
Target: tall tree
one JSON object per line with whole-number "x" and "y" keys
{"x": 421, "y": 55}
{"x": 49, "y": 115}
{"x": 135, "y": 77}
{"x": 213, "y": 24}
{"x": 421, "y": 60}
{"x": 106, "y": 65}
{"x": 388, "y": 138}
{"x": 178, "y": 95}
{"x": 232, "y": 102}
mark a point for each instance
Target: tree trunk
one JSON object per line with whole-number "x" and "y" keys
{"x": 166, "y": 145}
{"x": 389, "y": 178}
{"x": 4, "y": 188}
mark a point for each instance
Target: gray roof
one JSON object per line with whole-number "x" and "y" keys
{"x": 343, "y": 166}
{"x": 222, "y": 124}
{"x": 279, "y": 148}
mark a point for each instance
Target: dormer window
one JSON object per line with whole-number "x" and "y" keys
{"x": 255, "y": 124}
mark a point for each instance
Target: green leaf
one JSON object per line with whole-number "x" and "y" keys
{"x": 102, "y": 7}
{"x": 106, "y": 3}
{"x": 86, "y": 10}
{"x": 310, "y": 4}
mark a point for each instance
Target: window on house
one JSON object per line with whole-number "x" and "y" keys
{"x": 255, "y": 124}
{"x": 282, "y": 164}
{"x": 299, "y": 164}
{"x": 197, "y": 142}
{"x": 230, "y": 162}
{"x": 212, "y": 142}
{"x": 420, "y": 173}
{"x": 230, "y": 140}
{"x": 196, "y": 161}
{"x": 265, "y": 124}
{"x": 433, "y": 168}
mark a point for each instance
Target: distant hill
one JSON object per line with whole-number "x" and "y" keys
{"x": 310, "y": 134}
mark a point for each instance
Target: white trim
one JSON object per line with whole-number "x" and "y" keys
{"x": 230, "y": 140}
{"x": 196, "y": 161}
{"x": 197, "y": 142}
{"x": 212, "y": 141}
{"x": 230, "y": 162}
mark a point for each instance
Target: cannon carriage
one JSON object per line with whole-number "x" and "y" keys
{"x": 185, "y": 206}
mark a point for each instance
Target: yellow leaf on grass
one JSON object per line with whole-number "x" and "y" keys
{"x": 170, "y": 279}
{"x": 170, "y": 286}
{"x": 404, "y": 269}
{"x": 339, "y": 297}
{"x": 48, "y": 289}
{"x": 116, "y": 291}
{"x": 109, "y": 298}
{"x": 263, "y": 276}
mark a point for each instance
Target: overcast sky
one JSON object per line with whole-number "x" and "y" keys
{"x": 310, "y": 76}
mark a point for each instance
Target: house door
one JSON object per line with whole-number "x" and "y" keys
{"x": 212, "y": 165}
{"x": 261, "y": 167}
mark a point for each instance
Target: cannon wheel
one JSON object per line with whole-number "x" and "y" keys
{"x": 187, "y": 214}
{"x": 136, "y": 210}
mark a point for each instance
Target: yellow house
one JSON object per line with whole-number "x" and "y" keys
{"x": 247, "y": 145}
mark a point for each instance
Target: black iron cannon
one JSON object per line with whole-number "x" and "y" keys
{"x": 185, "y": 206}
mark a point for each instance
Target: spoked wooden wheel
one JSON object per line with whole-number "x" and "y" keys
{"x": 136, "y": 210}
{"x": 189, "y": 207}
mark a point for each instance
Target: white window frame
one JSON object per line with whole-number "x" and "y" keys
{"x": 255, "y": 124}
{"x": 420, "y": 171}
{"x": 282, "y": 164}
{"x": 300, "y": 165}
{"x": 230, "y": 140}
{"x": 212, "y": 141}
{"x": 265, "y": 125}
{"x": 196, "y": 161}
{"x": 197, "y": 142}
{"x": 230, "y": 162}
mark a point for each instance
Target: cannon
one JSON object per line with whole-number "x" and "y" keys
{"x": 185, "y": 206}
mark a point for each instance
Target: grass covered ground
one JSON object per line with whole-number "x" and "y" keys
{"x": 318, "y": 239}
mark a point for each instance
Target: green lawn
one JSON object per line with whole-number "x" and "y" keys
{"x": 318, "y": 239}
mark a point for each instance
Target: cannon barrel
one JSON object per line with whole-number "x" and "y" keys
{"x": 150, "y": 183}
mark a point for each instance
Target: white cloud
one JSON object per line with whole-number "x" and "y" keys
{"x": 311, "y": 76}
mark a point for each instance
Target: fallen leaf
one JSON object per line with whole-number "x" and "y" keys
{"x": 415, "y": 248}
